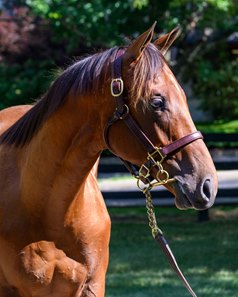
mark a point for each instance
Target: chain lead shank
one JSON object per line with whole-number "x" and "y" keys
{"x": 160, "y": 239}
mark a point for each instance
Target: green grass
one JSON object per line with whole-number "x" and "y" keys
{"x": 206, "y": 252}
{"x": 216, "y": 127}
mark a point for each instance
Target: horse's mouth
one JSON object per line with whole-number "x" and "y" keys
{"x": 181, "y": 199}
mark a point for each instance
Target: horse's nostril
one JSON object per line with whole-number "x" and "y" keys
{"x": 206, "y": 189}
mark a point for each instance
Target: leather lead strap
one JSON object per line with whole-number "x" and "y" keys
{"x": 160, "y": 239}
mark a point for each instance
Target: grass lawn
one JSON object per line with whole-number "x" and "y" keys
{"x": 206, "y": 252}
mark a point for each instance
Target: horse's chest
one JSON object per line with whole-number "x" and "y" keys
{"x": 90, "y": 228}
{"x": 85, "y": 231}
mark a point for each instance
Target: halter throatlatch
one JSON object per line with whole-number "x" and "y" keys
{"x": 155, "y": 157}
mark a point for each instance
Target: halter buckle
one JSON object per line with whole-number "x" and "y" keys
{"x": 144, "y": 170}
{"x": 117, "y": 87}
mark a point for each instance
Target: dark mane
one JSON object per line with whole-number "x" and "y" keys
{"x": 82, "y": 77}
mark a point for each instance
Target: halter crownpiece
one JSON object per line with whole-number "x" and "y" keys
{"x": 155, "y": 157}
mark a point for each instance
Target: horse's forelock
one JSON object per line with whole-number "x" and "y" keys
{"x": 145, "y": 70}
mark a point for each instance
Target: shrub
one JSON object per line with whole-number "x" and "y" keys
{"x": 217, "y": 87}
{"x": 23, "y": 83}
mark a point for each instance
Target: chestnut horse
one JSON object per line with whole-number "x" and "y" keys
{"x": 54, "y": 225}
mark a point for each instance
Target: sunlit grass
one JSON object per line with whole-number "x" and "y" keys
{"x": 207, "y": 253}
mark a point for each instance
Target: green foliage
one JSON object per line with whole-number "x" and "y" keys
{"x": 207, "y": 62}
{"x": 68, "y": 28}
{"x": 217, "y": 86}
{"x": 98, "y": 22}
{"x": 219, "y": 127}
{"x": 23, "y": 83}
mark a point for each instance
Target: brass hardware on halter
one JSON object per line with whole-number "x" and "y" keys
{"x": 118, "y": 85}
{"x": 144, "y": 172}
{"x": 164, "y": 173}
{"x": 145, "y": 169}
{"x": 124, "y": 113}
{"x": 151, "y": 215}
{"x": 144, "y": 188}
{"x": 157, "y": 151}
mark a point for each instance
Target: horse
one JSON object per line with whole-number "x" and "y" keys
{"x": 54, "y": 224}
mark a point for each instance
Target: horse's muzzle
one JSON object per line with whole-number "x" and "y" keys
{"x": 200, "y": 197}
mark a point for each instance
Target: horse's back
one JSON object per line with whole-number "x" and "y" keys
{"x": 10, "y": 115}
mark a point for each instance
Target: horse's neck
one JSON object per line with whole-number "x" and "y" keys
{"x": 60, "y": 156}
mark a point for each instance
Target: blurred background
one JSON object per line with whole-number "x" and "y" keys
{"x": 39, "y": 37}
{"x": 36, "y": 36}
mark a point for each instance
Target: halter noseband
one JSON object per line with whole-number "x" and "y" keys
{"x": 155, "y": 155}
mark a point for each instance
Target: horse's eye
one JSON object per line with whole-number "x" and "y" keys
{"x": 157, "y": 102}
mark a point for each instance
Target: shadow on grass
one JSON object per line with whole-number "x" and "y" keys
{"x": 206, "y": 253}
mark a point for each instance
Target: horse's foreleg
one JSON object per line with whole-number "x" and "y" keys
{"x": 95, "y": 285}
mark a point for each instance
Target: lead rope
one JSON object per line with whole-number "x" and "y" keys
{"x": 160, "y": 239}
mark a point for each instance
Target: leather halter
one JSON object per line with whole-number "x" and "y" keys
{"x": 155, "y": 155}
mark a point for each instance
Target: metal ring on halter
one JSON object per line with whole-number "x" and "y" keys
{"x": 124, "y": 113}
{"x": 163, "y": 173}
{"x": 143, "y": 187}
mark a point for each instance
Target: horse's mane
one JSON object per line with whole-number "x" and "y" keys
{"x": 80, "y": 78}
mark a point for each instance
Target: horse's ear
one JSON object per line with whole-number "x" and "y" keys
{"x": 164, "y": 42}
{"x": 135, "y": 50}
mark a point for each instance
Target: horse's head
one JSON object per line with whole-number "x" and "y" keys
{"x": 157, "y": 103}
